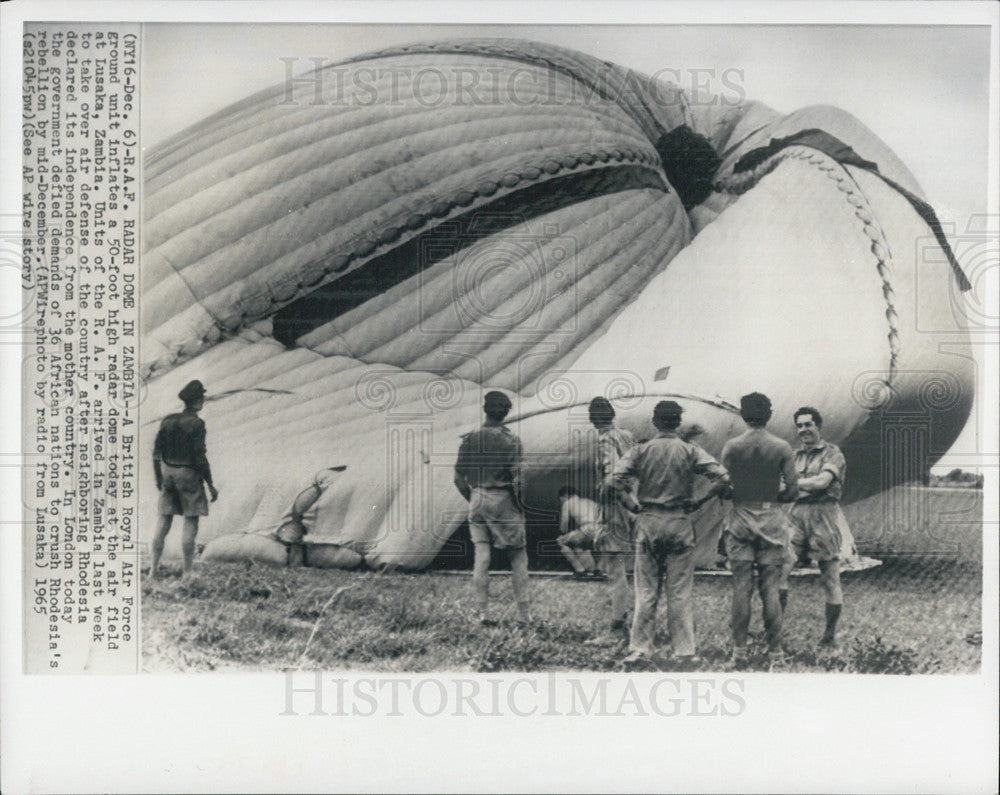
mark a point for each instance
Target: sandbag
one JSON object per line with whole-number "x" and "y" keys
{"x": 331, "y": 556}
{"x": 239, "y": 547}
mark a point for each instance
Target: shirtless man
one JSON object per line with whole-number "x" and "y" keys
{"x": 579, "y": 526}
{"x": 757, "y": 528}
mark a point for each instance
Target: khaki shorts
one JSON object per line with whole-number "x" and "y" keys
{"x": 580, "y": 539}
{"x": 619, "y": 533}
{"x": 183, "y": 493}
{"x": 818, "y": 529}
{"x": 494, "y": 518}
{"x": 756, "y": 550}
{"x": 757, "y": 534}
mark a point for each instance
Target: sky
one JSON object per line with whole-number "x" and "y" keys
{"x": 923, "y": 89}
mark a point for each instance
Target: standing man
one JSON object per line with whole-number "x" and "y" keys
{"x": 579, "y": 525}
{"x": 487, "y": 473}
{"x": 616, "y": 542}
{"x": 181, "y": 466}
{"x": 819, "y": 525}
{"x": 757, "y": 528}
{"x": 665, "y": 468}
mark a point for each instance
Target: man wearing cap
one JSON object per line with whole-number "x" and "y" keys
{"x": 757, "y": 528}
{"x": 665, "y": 468}
{"x": 181, "y": 466}
{"x": 820, "y": 529}
{"x": 487, "y": 473}
{"x": 616, "y": 542}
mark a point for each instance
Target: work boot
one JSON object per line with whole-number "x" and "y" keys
{"x": 740, "y": 660}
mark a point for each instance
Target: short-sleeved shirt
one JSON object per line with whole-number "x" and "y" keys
{"x": 665, "y": 467}
{"x": 489, "y": 457}
{"x": 612, "y": 444}
{"x": 757, "y": 461}
{"x": 180, "y": 442}
{"x": 824, "y": 457}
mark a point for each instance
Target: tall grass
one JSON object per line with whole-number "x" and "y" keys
{"x": 900, "y": 618}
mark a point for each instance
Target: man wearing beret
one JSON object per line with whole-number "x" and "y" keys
{"x": 181, "y": 466}
{"x": 487, "y": 473}
{"x": 757, "y": 528}
{"x": 665, "y": 468}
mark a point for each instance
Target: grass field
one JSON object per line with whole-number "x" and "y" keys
{"x": 910, "y": 615}
{"x": 899, "y": 618}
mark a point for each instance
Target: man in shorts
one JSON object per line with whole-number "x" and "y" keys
{"x": 487, "y": 473}
{"x": 819, "y": 525}
{"x": 616, "y": 542}
{"x": 665, "y": 468}
{"x": 757, "y": 528}
{"x": 181, "y": 466}
{"x": 579, "y": 526}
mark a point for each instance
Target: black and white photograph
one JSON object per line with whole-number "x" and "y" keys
{"x": 471, "y": 372}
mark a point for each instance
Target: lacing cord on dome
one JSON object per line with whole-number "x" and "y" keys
{"x": 845, "y": 155}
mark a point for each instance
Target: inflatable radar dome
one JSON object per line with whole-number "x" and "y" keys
{"x": 348, "y": 277}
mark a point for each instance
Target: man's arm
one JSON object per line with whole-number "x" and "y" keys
{"x": 461, "y": 481}
{"x": 515, "y": 470}
{"x": 624, "y": 469}
{"x": 620, "y": 483}
{"x": 606, "y": 455}
{"x": 705, "y": 465}
{"x": 564, "y": 517}
{"x": 462, "y": 485}
{"x": 790, "y": 476}
{"x": 834, "y": 467}
{"x": 157, "y": 457}
{"x": 201, "y": 459}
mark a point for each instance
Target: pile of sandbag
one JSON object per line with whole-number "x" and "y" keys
{"x": 294, "y": 541}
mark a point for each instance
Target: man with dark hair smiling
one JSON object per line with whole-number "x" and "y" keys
{"x": 487, "y": 473}
{"x": 665, "y": 468}
{"x": 757, "y": 529}
{"x": 820, "y": 528}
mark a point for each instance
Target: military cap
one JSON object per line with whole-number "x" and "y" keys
{"x": 192, "y": 392}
